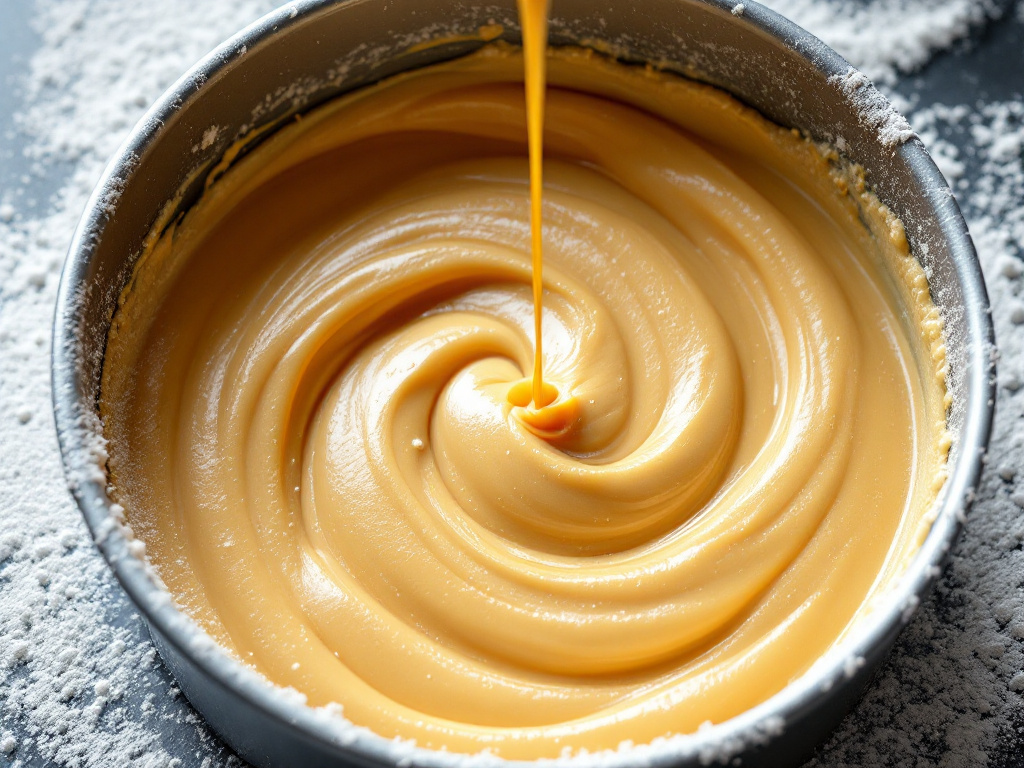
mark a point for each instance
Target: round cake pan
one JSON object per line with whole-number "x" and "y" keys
{"x": 308, "y": 52}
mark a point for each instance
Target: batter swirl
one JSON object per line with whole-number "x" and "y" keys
{"x": 306, "y": 395}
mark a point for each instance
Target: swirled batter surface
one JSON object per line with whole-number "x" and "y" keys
{"x": 306, "y": 400}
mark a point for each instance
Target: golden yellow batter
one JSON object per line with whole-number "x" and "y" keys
{"x": 306, "y": 396}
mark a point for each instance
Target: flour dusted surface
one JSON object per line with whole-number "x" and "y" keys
{"x": 885, "y": 38}
{"x": 80, "y": 684}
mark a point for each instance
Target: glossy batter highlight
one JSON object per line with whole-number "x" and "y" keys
{"x": 306, "y": 398}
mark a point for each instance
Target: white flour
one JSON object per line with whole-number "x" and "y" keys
{"x": 74, "y": 691}
{"x": 886, "y": 37}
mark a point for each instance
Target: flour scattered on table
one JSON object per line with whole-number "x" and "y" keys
{"x": 887, "y": 37}
{"x": 81, "y": 684}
